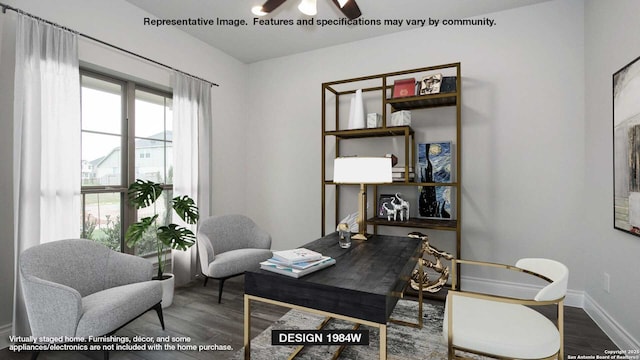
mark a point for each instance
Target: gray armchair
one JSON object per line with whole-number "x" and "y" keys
{"x": 229, "y": 245}
{"x": 79, "y": 288}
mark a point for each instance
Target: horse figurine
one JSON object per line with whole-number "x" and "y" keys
{"x": 401, "y": 206}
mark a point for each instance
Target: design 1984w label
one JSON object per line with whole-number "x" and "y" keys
{"x": 320, "y": 337}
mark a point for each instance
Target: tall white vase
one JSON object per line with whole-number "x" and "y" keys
{"x": 356, "y": 112}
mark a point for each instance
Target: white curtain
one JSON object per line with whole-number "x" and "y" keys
{"x": 191, "y": 154}
{"x": 46, "y": 133}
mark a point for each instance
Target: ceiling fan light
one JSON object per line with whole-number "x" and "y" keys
{"x": 257, "y": 10}
{"x": 308, "y": 7}
{"x": 342, "y": 3}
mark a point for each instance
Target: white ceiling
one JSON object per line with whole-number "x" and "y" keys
{"x": 251, "y": 43}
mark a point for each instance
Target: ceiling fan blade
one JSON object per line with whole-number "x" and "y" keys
{"x": 350, "y": 9}
{"x": 271, "y": 5}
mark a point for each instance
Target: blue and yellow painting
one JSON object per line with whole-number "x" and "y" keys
{"x": 434, "y": 166}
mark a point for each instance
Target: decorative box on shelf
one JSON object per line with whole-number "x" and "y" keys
{"x": 404, "y": 88}
{"x": 448, "y": 84}
{"x": 401, "y": 118}
{"x": 374, "y": 120}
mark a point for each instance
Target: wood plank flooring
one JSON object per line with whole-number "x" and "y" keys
{"x": 196, "y": 314}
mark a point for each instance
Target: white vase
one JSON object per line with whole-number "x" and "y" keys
{"x": 356, "y": 112}
{"x": 167, "y": 290}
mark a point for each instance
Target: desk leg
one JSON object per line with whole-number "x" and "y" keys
{"x": 383, "y": 342}
{"x": 247, "y": 328}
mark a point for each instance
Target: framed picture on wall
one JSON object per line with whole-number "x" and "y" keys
{"x": 626, "y": 148}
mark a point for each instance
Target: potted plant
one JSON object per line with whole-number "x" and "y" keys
{"x": 171, "y": 236}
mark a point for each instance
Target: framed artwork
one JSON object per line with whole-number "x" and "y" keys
{"x": 626, "y": 148}
{"x": 384, "y": 203}
{"x": 430, "y": 84}
{"x": 434, "y": 202}
{"x": 434, "y": 166}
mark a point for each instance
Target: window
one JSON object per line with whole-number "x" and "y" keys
{"x": 126, "y": 135}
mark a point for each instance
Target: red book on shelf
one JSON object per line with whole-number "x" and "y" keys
{"x": 404, "y": 87}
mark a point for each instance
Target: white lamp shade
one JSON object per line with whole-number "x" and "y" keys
{"x": 362, "y": 170}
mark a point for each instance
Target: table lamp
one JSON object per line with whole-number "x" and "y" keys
{"x": 363, "y": 171}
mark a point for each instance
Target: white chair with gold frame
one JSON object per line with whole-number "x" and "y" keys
{"x": 505, "y": 327}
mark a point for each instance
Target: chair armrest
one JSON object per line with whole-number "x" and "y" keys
{"x": 503, "y": 299}
{"x": 455, "y": 262}
{"x": 123, "y": 269}
{"x": 499, "y": 298}
{"x": 53, "y": 309}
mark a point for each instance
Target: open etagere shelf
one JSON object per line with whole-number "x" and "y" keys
{"x": 380, "y": 88}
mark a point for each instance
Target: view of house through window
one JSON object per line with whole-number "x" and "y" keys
{"x": 126, "y": 135}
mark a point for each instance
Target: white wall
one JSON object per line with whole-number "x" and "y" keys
{"x": 120, "y": 23}
{"x": 523, "y": 131}
{"x": 610, "y": 45}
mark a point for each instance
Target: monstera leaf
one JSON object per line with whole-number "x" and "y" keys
{"x": 186, "y": 208}
{"x": 144, "y": 193}
{"x": 137, "y": 230}
{"x": 176, "y": 237}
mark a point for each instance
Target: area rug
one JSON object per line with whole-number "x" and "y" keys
{"x": 403, "y": 342}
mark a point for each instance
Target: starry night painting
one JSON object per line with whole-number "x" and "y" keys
{"x": 434, "y": 166}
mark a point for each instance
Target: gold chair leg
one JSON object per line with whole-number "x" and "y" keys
{"x": 247, "y": 328}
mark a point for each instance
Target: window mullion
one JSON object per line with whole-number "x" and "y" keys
{"x": 128, "y": 155}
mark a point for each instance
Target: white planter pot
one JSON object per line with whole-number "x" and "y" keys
{"x": 167, "y": 290}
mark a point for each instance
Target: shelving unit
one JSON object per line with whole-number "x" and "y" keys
{"x": 378, "y": 88}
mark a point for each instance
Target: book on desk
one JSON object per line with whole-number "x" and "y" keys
{"x": 292, "y": 256}
{"x": 297, "y": 269}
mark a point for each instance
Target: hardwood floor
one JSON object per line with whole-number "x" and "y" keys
{"x": 196, "y": 314}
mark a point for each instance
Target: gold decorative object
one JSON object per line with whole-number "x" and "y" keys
{"x": 432, "y": 286}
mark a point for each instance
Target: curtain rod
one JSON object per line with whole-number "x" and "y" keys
{"x": 19, "y": 11}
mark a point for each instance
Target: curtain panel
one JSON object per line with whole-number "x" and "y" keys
{"x": 47, "y": 162}
{"x": 191, "y": 148}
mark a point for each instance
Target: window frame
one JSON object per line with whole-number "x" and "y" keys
{"x": 128, "y": 214}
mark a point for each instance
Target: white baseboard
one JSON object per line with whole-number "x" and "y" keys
{"x": 5, "y": 332}
{"x": 610, "y": 326}
{"x": 574, "y": 298}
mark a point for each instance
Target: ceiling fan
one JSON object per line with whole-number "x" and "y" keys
{"x": 308, "y": 7}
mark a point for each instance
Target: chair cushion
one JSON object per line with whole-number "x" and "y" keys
{"x": 237, "y": 261}
{"x": 509, "y": 330}
{"x": 109, "y": 309}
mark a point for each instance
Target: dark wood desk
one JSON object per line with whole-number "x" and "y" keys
{"x": 363, "y": 286}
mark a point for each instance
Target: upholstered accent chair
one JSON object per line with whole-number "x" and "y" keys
{"x": 229, "y": 245}
{"x": 505, "y": 327}
{"x": 78, "y": 288}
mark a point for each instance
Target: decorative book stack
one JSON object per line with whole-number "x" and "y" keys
{"x": 397, "y": 172}
{"x": 296, "y": 262}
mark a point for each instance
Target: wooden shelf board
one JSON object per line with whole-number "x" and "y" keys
{"x": 367, "y": 133}
{"x": 411, "y": 183}
{"x": 449, "y": 225}
{"x": 424, "y": 101}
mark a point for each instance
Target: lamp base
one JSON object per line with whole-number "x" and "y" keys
{"x": 359, "y": 236}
